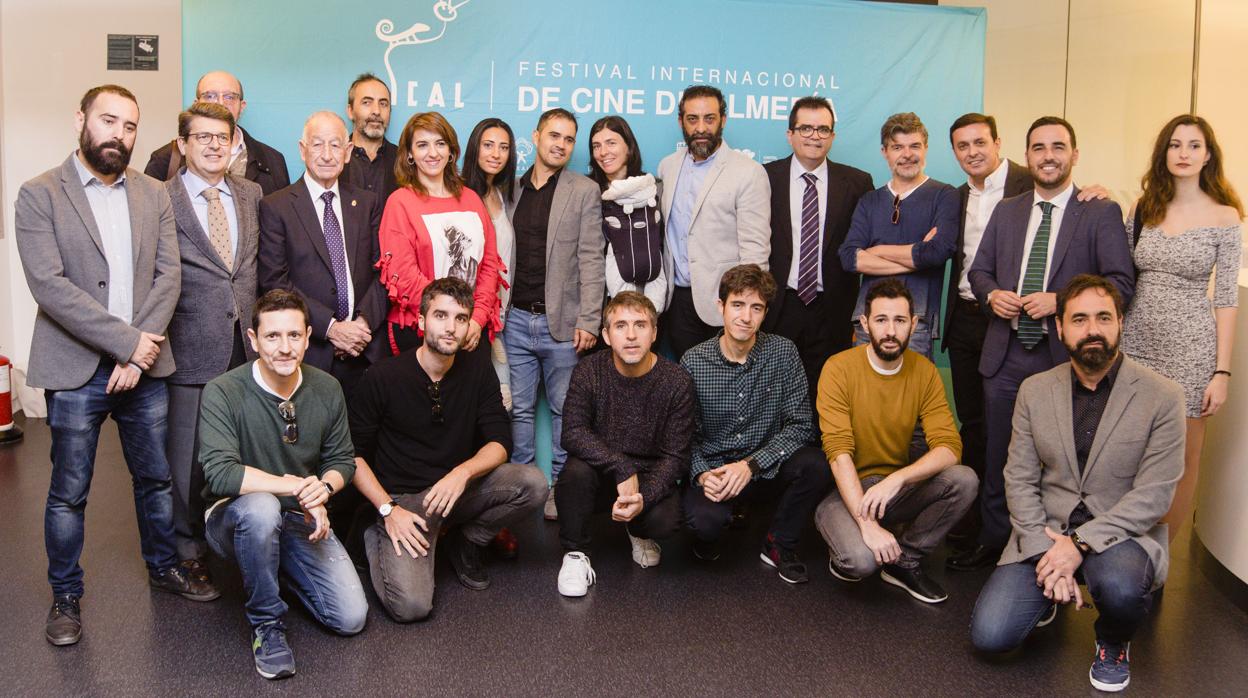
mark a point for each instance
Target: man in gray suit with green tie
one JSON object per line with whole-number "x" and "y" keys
{"x": 1096, "y": 452}
{"x": 100, "y": 252}
{"x": 218, "y": 231}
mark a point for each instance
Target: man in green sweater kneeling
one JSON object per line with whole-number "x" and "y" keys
{"x": 275, "y": 446}
{"x": 868, "y": 400}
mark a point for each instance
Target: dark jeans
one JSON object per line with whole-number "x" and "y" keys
{"x": 930, "y": 508}
{"x": 75, "y": 417}
{"x": 965, "y": 341}
{"x": 405, "y": 584}
{"x": 1120, "y": 580}
{"x": 1000, "y": 393}
{"x": 267, "y": 542}
{"x": 800, "y": 484}
{"x": 681, "y": 325}
{"x": 583, "y": 491}
{"x": 182, "y": 450}
{"x": 816, "y": 329}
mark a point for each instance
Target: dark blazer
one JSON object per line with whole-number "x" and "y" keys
{"x": 63, "y": 257}
{"x": 1091, "y": 240}
{"x": 293, "y": 256}
{"x": 845, "y": 186}
{"x": 1017, "y": 181}
{"x": 215, "y": 300}
{"x": 265, "y": 165}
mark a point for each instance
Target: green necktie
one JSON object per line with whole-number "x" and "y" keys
{"x": 1031, "y": 331}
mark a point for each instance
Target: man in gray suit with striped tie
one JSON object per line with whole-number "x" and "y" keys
{"x": 218, "y": 229}
{"x": 1033, "y": 245}
{"x": 100, "y": 252}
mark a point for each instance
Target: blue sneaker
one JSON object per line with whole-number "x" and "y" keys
{"x": 1111, "y": 667}
{"x": 274, "y": 660}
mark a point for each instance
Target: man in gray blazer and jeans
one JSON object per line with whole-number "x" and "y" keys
{"x": 1096, "y": 453}
{"x": 557, "y": 285}
{"x": 100, "y": 252}
{"x": 218, "y": 229}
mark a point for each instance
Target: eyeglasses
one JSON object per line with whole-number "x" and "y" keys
{"x": 223, "y": 97}
{"x": 435, "y": 396}
{"x": 896, "y": 209}
{"x": 290, "y": 433}
{"x": 806, "y": 131}
{"x": 206, "y": 138}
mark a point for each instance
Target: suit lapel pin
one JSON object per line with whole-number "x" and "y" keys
{"x": 352, "y": 202}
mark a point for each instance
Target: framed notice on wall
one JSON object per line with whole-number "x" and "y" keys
{"x": 133, "y": 52}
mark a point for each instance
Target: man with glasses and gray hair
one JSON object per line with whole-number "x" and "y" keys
{"x": 248, "y": 157}
{"x": 431, "y": 446}
{"x": 274, "y": 444}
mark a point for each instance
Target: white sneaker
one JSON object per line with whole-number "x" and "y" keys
{"x": 645, "y": 551}
{"x": 549, "y": 512}
{"x": 576, "y": 575}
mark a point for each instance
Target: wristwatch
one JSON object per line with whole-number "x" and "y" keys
{"x": 1080, "y": 543}
{"x": 328, "y": 487}
{"x": 754, "y": 466}
{"x": 386, "y": 508}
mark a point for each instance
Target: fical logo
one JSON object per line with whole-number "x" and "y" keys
{"x": 446, "y": 11}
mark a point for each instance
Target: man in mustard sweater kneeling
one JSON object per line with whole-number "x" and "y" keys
{"x": 869, "y": 399}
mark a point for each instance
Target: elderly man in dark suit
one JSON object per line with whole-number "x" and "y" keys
{"x": 218, "y": 231}
{"x": 1034, "y": 244}
{"x": 318, "y": 237}
{"x": 812, "y": 203}
{"x": 100, "y": 253}
{"x": 248, "y": 157}
{"x": 1096, "y": 453}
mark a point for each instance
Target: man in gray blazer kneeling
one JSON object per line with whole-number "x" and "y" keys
{"x": 100, "y": 252}
{"x": 1096, "y": 453}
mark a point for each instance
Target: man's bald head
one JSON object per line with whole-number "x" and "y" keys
{"x": 223, "y": 88}
{"x": 324, "y": 147}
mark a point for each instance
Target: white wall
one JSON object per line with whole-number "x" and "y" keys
{"x": 51, "y": 52}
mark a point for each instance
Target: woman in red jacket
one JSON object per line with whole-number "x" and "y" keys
{"x": 433, "y": 226}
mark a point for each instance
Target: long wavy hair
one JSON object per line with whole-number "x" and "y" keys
{"x": 405, "y": 170}
{"x": 1158, "y": 183}
{"x": 476, "y": 178}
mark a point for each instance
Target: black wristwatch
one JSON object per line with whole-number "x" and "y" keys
{"x": 753, "y": 464}
{"x": 1080, "y": 543}
{"x": 328, "y": 487}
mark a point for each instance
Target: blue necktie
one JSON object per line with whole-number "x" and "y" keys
{"x": 808, "y": 251}
{"x": 337, "y": 257}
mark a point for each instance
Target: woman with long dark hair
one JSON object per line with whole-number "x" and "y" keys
{"x": 1187, "y": 225}
{"x": 432, "y": 227}
{"x": 631, "y": 223}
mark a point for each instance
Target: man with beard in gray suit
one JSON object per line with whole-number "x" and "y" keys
{"x": 218, "y": 230}
{"x": 100, "y": 253}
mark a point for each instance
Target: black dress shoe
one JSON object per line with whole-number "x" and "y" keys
{"x": 466, "y": 560}
{"x": 197, "y": 569}
{"x": 176, "y": 580}
{"x": 706, "y": 551}
{"x": 64, "y": 621}
{"x": 978, "y": 558}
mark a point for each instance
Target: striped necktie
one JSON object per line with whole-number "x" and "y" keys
{"x": 1030, "y": 330}
{"x": 808, "y": 251}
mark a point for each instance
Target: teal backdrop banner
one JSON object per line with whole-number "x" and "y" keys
{"x": 515, "y": 58}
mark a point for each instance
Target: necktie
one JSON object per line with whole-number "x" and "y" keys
{"x": 808, "y": 251}
{"x": 219, "y": 227}
{"x": 1030, "y": 331}
{"x": 337, "y": 256}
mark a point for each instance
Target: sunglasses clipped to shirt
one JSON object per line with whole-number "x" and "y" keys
{"x": 435, "y": 398}
{"x": 290, "y": 432}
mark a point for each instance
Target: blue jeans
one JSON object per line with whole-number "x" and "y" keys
{"x": 1119, "y": 579}
{"x": 534, "y": 356}
{"x": 920, "y": 336}
{"x": 253, "y": 530}
{"x": 75, "y": 417}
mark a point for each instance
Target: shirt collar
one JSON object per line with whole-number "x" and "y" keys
{"x": 86, "y": 176}
{"x": 1106, "y": 383}
{"x": 889, "y": 185}
{"x": 527, "y": 180}
{"x": 241, "y": 145}
{"x": 796, "y": 170}
{"x": 709, "y": 160}
{"x": 995, "y": 181}
{"x": 195, "y": 185}
{"x": 1059, "y": 201}
{"x": 315, "y": 190}
{"x": 259, "y": 378}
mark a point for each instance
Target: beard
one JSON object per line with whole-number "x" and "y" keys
{"x": 372, "y": 129}
{"x": 106, "y": 162}
{"x": 876, "y": 346}
{"x": 439, "y": 344}
{"x": 703, "y": 149}
{"x": 1093, "y": 358}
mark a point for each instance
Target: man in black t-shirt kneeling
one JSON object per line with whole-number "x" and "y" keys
{"x": 431, "y": 445}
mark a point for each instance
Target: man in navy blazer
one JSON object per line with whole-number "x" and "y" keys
{"x": 1083, "y": 237}
{"x": 806, "y": 301}
{"x": 295, "y": 254}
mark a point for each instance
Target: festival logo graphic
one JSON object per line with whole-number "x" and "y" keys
{"x": 446, "y": 11}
